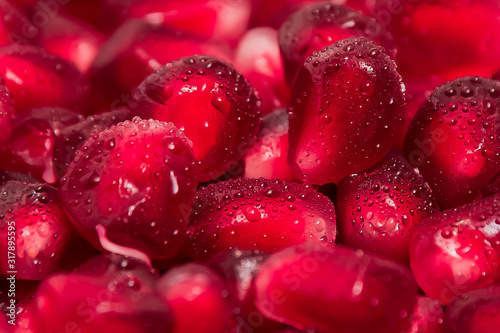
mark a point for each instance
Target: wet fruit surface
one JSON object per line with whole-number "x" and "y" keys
{"x": 316, "y": 26}
{"x": 258, "y": 214}
{"x": 209, "y": 147}
{"x": 348, "y": 105}
{"x": 35, "y": 229}
{"x": 378, "y": 209}
{"x": 134, "y": 179}
{"x": 210, "y": 101}
{"x": 456, "y": 251}
{"x": 453, "y": 139}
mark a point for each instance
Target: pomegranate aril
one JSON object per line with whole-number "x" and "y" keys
{"x": 258, "y": 58}
{"x": 335, "y": 290}
{"x": 378, "y": 209}
{"x": 477, "y": 311}
{"x": 457, "y": 250}
{"x": 222, "y": 20}
{"x": 108, "y": 293}
{"x": 268, "y": 156}
{"x": 213, "y": 103}
{"x": 69, "y": 137}
{"x": 72, "y": 41}
{"x": 134, "y": 181}
{"x": 6, "y": 112}
{"x": 443, "y": 38}
{"x": 34, "y": 227}
{"x": 258, "y": 214}
{"x": 36, "y": 79}
{"x": 453, "y": 139}
{"x": 316, "y": 26}
{"x": 348, "y": 105}
{"x": 134, "y": 51}
{"x": 195, "y": 289}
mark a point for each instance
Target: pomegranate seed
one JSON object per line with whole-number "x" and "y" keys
{"x": 348, "y": 105}
{"x": 213, "y": 104}
{"x": 258, "y": 214}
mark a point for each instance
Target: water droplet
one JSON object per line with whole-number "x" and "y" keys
{"x": 252, "y": 214}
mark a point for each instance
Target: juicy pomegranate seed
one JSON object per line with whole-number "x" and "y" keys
{"x": 348, "y": 105}
{"x": 335, "y": 290}
{"x": 134, "y": 51}
{"x": 38, "y": 79}
{"x": 457, "y": 250}
{"x": 108, "y": 293}
{"x": 207, "y": 98}
{"x": 136, "y": 182}
{"x": 223, "y": 20}
{"x": 379, "y": 208}
{"x": 268, "y": 157}
{"x": 477, "y": 311}
{"x": 318, "y": 25}
{"x": 440, "y": 38}
{"x": 194, "y": 288}
{"x": 34, "y": 227}
{"x": 453, "y": 139}
{"x": 258, "y": 58}
{"x": 6, "y": 112}
{"x": 72, "y": 41}
{"x": 258, "y": 214}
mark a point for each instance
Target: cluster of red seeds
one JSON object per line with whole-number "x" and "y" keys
{"x": 249, "y": 166}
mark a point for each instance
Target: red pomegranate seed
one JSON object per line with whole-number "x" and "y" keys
{"x": 34, "y": 228}
{"x": 134, "y": 183}
{"x": 348, "y": 106}
{"x": 378, "y": 209}
{"x": 316, "y": 26}
{"x": 427, "y": 317}
{"x": 6, "y": 112}
{"x": 210, "y": 101}
{"x": 194, "y": 288}
{"x": 108, "y": 293}
{"x": 268, "y": 157}
{"x": 335, "y": 290}
{"x": 477, "y": 311}
{"x": 457, "y": 250}
{"x": 36, "y": 79}
{"x": 453, "y": 140}
{"x": 258, "y": 214}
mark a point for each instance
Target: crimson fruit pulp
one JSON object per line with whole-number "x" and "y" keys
{"x": 136, "y": 180}
{"x": 348, "y": 105}
{"x": 258, "y": 214}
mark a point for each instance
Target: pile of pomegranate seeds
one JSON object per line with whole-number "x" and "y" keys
{"x": 250, "y": 166}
